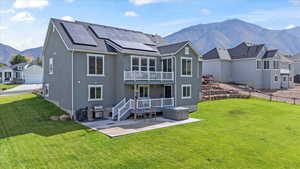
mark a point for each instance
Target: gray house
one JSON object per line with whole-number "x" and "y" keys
{"x": 251, "y": 64}
{"x": 296, "y": 59}
{"x": 88, "y": 65}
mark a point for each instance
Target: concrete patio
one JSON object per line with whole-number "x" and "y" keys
{"x": 120, "y": 128}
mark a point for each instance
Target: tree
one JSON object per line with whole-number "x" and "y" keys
{"x": 2, "y": 64}
{"x": 15, "y": 59}
{"x": 39, "y": 61}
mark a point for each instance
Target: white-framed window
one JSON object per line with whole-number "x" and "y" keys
{"x": 258, "y": 64}
{"x": 167, "y": 65}
{"x": 186, "y": 66}
{"x": 140, "y": 63}
{"x": 50, "y": 66}
{"x": 266, "y": 64}
{"x": 95, "y": 92}
{"x": 46, "y": 90}
{"x": 20, "y": 68}
{"x": 186, "y": 91}
{"x": 186, "y": 50}
{"x": 144, "y": 91}
{"x": 276, "y": 78}
{"x": 275, "y": 64}
{"x": 290, "y": 66}
{"x": 95, "y": 65}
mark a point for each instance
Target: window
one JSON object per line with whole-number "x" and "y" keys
{"x": 266, "y": 64}
{"x": 275, "y": 64}
{"x": 284, "y": 78}
{"x": 50, "y": 66}
{"x": 19, "y": 68}
{"x": 290, "y": 66}
{"x": 143, "y": 63}
{"x": 276, "y": 78}
{"x": 291, "y": 78}
{"x": 46, "y": 90}
{"x": 95, "y": 65}
{"x": 258, "y": 64}
{"x": 18, "y": 75}
{"x": 167, "y": 65}
{"x": 187, "y": 50}
{"x": 186, "y": 67}
{"x": 144, "y": 91}
{"x": 95, "y": 92}
{"x": 186, "y": 91}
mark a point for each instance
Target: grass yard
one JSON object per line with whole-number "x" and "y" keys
{"x": 236, "y": 134}
{"x": 7, "y": 86}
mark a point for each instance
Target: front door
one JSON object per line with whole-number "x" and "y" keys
{"x": 168, "y": 91}
{"x": 7, "y": 76}
{"x": 284, "y": 81}
{"x": 144, "y": 91}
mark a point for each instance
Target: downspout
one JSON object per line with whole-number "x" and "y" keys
{"x": 72, "y": 84}
{"x": 175, "y": 88}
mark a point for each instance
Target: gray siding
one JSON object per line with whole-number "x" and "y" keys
{"x": 60, "y": 82}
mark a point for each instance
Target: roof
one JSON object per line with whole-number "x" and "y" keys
{"x": 245, "y": 50}
{"x": 106, "y": 39}
{"x": 296, "y": 58}
{"x": 171, "y": 48}
{"x": 270, "y": 53}
{"x": 217, "y": 53}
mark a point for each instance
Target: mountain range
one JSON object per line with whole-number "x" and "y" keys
{"x": 230, "y": 33}
{"x": 7, "y": 51}
{"x": 205, "y": 37}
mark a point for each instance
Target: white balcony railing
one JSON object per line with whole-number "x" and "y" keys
{"x": 140, "y": 75}
{"x": 155, "y": 103}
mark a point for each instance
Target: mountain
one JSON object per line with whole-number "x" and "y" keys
{"x": 35, "y": 52}
{"x": 230, "y": 33}
{"x": 7, "y": 51}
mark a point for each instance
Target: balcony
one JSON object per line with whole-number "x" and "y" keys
{"x": 148, "y": 76}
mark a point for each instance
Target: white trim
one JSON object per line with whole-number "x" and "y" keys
{"x": 148, "y": 86}
{"x": 188, "y": 58}
{"x": 87, "y": 65}
{"x": 51, "y": 65}
{"x": 95, "y": 86}
{"x": 186, "y": 85}
{"x": 72, "y": 83}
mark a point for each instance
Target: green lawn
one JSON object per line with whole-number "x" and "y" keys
{"x": 7, "y": 86}
{"x": 236, "y": 134}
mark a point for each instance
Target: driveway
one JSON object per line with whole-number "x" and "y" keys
{"x": 24, "y": 88}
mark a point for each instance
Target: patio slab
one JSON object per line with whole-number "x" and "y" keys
{"x": 120, "y": 128}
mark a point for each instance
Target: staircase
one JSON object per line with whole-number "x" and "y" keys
{"x": 213, "y": 91}
{"x": 123, "y": 109}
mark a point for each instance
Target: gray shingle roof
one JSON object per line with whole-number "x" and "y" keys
{"x": 245, "y": 50}
{"x": 217, "y": 53}
{"x": 102, "y": 43}
{"x": 171, "y": 48}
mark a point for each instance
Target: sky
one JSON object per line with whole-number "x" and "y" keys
{"x": 23, "y": 23}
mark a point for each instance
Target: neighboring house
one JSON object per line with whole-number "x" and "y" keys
{"x": 296, "y": 59}
{"x": 6, "y": 75}
{"x": 250, "y": 64}
{"x": 88, "y": 65}
{"x": 21, "y": 73}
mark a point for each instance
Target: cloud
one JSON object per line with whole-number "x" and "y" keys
{"x": 23, "y": 17}
{"x": 295, "y": 2}
{"x": 205, "y": 11}
{"x": 30, "y": 3}
{"x": 143, "y": 2}
{"x": 130, "y": 13}
{"x": 68, "y": 18}
{"x": 3, "y": 27}
{"x": 7, "y": 11}
{"x": 290, "y": 27}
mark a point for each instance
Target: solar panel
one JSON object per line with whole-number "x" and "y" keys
{"x": 78, "y": 34}
{"x": 119, "y": 34}
{"x": 133, "y": 45}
